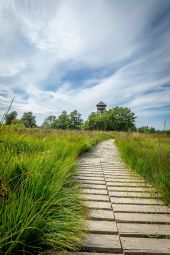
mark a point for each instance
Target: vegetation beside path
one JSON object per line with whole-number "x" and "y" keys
{"x": 40, "y": 207}
{"x": 149, "y": 155}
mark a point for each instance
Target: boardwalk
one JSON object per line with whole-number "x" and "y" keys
{"x": 126, "y": 215}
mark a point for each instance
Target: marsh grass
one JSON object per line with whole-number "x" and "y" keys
{"x": 40, "y": 205}
{"x": 149, "y": 155}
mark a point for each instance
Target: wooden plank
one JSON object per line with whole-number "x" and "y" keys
{"x": 101, "y": 214}
{"x": 92, "y": 181}
{"x": 101, "y": 227}
{"x": 80, "y": 253}
{"x": 129, "y": 184}
{"x": 98, "y": 205}
{"x": 124, "y": 178}
{"x": 133, "y": 194}
{"x": 93, "y": 186}
{"x": 90, "y": 174}
{"x": 137, "y": 201}
{"x": 121, "y": 172}
{"x": 142, "y": 218}
{"x": 148, "y": 246}
{"x": 113, "y": 164}
{"x": 125, "y": 181}
{"x": 115, "y": 174}
{"x": 130, "y": 189}
{"x": 91, "y": 178}
{"x": 141, "y": 208}
{"x": 115, "y": 168}
{"x": 91, "y": 166}
{"x": 102, "y": 243}
{"x": 143, "y": 230}
{"x": 91, "y": 170}
{"x": 94, "y": 197}
{"x": 95, "y": 191}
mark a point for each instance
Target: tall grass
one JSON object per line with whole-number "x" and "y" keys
{"x": 40, "y": 205}
{"x": 149, "y": 155}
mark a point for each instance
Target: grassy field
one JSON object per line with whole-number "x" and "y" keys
{"x": 149, "y": 155}
{"x": 40, "y": 206}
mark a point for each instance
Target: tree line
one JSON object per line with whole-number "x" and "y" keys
{"x": 28, "y": 119}
{"x": 115, "y": 119}
{"x": 63, "y": 121}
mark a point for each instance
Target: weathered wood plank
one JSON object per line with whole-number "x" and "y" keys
{"x": 79, "y": 253}
{"x": 137, "y": 201}
{"x": 128, "y": 184}
{"x": 101, "y": 227}
{"x": 89, "y": 174}
{"x": 92, "y": 181}
{"x": 124, "y": 181}
{"x": 98, "y": 205}
{"x": 142, "y": 218}
{"x": 91, "y": 178}
{"x": 95, "y": 191}
{"x": 148, "y": 246}
{"x": 91, "y": 170}
{"x": 124, "y": 178}
{"x": 115, "y": 174}
{"x": 141, "y": 208}
{"x": 101, "y": 214}
{"x": 134, "y": 194}
{"x": 130, "y": 189}
{"x": 94, "y": 197}
{"x": 147, "y": 230}
{"x": 93, "y": 186}
{"x": 102, "y": 243}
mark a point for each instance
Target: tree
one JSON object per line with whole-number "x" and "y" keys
{"x": 146, "y": 129}
{"x": 75, "y": 120}
{"x": 90, "y": 123}
{"x": 10, "y": 117}
{"x": 28, "y": 119}
{"x": 62, "y": 121}
{"x": 121, "y": 119}
{"x": 117, "y": 118}
{"x": 49, "y": 121}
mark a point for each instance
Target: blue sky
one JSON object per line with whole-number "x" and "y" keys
{"x": 60, "y": 55}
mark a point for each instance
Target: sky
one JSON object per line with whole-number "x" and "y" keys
{"x": 60, "y": 55}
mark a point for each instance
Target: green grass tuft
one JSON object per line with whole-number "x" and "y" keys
{"x": 149, "y": 155}
{"x": 40, "y": 205}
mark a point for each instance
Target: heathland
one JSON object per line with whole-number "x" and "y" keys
{"x": 40, "y": 204}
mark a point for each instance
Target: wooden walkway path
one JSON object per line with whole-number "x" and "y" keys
{"x": 126, "y": 215}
